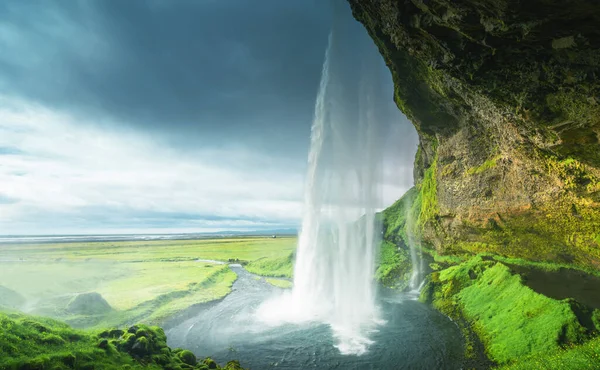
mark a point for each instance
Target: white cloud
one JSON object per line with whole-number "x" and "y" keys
{"x": 67, "y": 172}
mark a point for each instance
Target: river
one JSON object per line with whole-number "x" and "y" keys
{"x": 414, "y": 335}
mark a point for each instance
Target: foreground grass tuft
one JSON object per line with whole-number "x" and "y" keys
{"x": 28, "y": 342}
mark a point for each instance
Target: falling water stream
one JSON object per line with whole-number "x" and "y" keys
{"x": 333, "y": 276}
{"x": 332, "y": 317}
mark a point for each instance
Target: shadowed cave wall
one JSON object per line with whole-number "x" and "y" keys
{"x": 505, "y": 96}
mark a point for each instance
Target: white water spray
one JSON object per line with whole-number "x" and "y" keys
{"x": 333, "y": 278}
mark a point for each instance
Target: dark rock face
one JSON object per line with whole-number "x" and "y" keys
{"x": 89, "y": 304}
{"x": 505, "y": 95}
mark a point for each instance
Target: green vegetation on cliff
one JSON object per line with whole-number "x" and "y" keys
{"x": 513, "y": 321}
{"x": 504, "y": 321}
{"x": 394, "y": 267}
{"x": 28, "y": 342}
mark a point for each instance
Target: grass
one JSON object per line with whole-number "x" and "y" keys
{"x": 394, "y": 267}
{"x": 143, "y": 281}
{"x": 243, "y": 249}
{"x": 153, "y": 279}
{"x": 581, "y": 357}
{"x": 28, "y": 342}
{"x": 273, "y": 266}
{"x": 280, "y": 283}
{"x": 512, "y": 320}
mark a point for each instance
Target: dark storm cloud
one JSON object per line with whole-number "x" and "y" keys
{"x": 196, "y": 70}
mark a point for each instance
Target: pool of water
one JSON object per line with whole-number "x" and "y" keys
{"x": 414, "y": 336}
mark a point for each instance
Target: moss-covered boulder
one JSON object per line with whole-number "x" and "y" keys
{"x": 505, "y": 96}
{"x": 28, "y": 342}
{"x": 187, "y": 357}
{"x": 89, "y": 304}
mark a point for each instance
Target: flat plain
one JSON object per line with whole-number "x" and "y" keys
{"x": 142, "y": 281}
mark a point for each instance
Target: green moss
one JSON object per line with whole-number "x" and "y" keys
{"x": 280, "y": 283}
{"x": 428, "y": 194}
{"x": 511, "y": 319}
{"x": 273, "y": 267}
{"x": 561, "y": 230}
{"x": 394, "y": 266}
{"x": 187, "y": 357}
{"x": 446, "y": 259}
{"x": 514, "y": 320}
{"x": 395, "y": 217}
{"x": 490, "y": 163}
{"x": 38, "y": 343}
{"x": 581, "y": 357}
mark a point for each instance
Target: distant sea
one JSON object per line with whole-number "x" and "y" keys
{"x": 31, "y": 239}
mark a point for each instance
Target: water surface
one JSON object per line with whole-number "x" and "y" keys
{"x": 413, "y": 337}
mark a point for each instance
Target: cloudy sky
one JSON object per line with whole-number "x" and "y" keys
{"x": 162, "y": 116}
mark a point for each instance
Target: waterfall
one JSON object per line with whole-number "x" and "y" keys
{"x": 416, "y": 279}
{"x": 333, "y": 277}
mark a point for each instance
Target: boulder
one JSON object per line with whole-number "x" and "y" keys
{"x": 89, "y": 304}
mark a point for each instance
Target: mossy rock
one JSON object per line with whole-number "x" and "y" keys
{"x": 210, "y": 363}
{"x": 89, "y": 304}
{"x": 187, "y": 357}
{"x": 40, "y": 343}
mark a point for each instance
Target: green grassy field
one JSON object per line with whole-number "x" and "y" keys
{"x": 143, "y": 281}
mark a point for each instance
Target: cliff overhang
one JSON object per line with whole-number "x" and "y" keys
{"x": 505, "y": 96}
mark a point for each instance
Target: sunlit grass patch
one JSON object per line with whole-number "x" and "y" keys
{"x": 214, "y": 287}
{"x": 280, "y": 283}
{"x": 149, "y": 280}
{"x": 581, "y": 357}
{"x": 273, "y": 266}
{"x": 222, "y": 249}
{"x": 512, "y": 320}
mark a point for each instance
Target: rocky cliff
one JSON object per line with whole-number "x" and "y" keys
{"x": 505, "y": 95}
